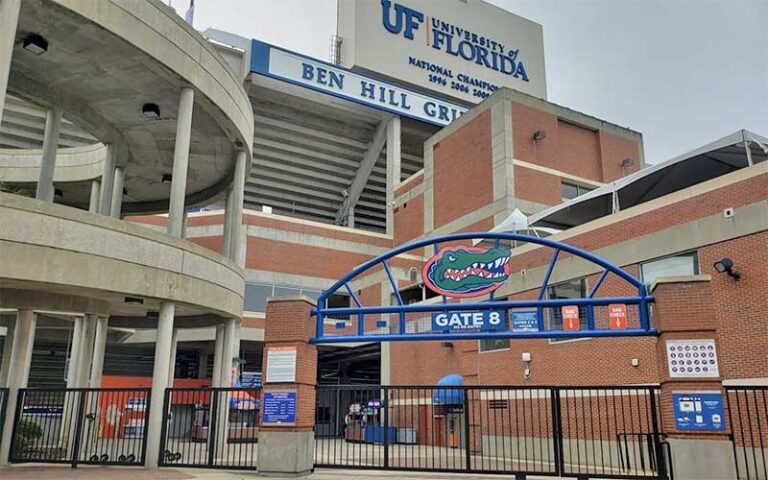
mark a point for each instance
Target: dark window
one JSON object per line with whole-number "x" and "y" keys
{"x": 672, "y": 266}
{"x": 571, "y": 289}
{"x": 571, "y": 190}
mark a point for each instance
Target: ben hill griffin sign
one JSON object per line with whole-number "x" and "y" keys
{"x": 466, "y": 50}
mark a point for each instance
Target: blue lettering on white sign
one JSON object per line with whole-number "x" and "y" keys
{"x": 279, "y": 407}
{"x": 482, "y": 320}
{"x": 250, "y": 379}
{"x": 291, "y": 67}
{"x": 699, "y": 411}
{"x": 525, "y": 321}
{"x": 454, "y": 40}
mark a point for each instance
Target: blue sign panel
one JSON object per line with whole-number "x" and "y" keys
{"x": 699, "y": 411}
{"x": 279, "y": 407}
{"x": 250, "y": 379}
{"x": 486, "y": 320}
{"x": 525, "y": 321}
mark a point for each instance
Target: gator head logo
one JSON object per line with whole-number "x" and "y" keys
{"x": 466, "y": 271}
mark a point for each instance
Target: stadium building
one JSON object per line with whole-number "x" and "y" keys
{"x": 165, "y": 186}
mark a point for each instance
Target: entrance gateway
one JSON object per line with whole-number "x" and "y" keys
{"x": 570, "y": 431}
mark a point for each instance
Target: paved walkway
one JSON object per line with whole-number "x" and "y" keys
{"x": 115, "y": 473}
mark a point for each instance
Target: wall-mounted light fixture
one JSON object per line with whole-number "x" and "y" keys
{"x": 446, "y": 344}
{"x": 136, "y": 300}
{"x": 539, "y": 135}
{"x": 627, "y": 162}
{"x": 167, "y": 178}
{"x": 58, "y": 193}
{"x": 526, "y": 357}
{"x": 150, "y": 110}
{"x": 725, "y": 265}
{"x": 35, "y": 43}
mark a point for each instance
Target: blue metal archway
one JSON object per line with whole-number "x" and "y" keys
{"x": 354, "y": 324}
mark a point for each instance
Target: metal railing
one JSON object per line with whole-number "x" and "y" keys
{"x": 610, "y": 432}
{"x": 210, "y": 427}
{"x": 97, "y": 426}
{"x": 748, "y": 418}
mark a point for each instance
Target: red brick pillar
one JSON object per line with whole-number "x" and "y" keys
{"x": 684, "y": 314}
{"x": 286, "y": 436}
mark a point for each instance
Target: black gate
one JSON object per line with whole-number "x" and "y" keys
{"x": 748, "y": 418}
{"x": 581, "y": 432}
{"x": 210, "y": 428}
{"x": 97, "y": 426}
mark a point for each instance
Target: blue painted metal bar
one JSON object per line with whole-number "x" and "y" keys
{"x": 598, "y": 283}
{"x": 351, "y": 294}
{"x": 548, "y": 275}
{"x": 360, "y": 316}
{"x": 645, "y": 320}
{"x": 540, "y": 318}
{"x": 590, "y": 317}
{"x": 635, "y": 332}
{"x": 506, "y": 304}
{"x": 392, "y": 282}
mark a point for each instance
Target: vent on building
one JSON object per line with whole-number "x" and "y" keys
{"x": 413, "y": 275}
{"x": 498, "y": 404}
{"x": 335, "y": 50}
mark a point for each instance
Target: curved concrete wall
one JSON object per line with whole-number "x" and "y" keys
{"x": 72, "y": 164}
{"x": 155, "y": 29}
{"x": 53, "y": 248}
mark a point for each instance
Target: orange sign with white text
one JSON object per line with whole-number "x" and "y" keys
{"x": 617, "y": 313}
{"x": 570, "y": 317}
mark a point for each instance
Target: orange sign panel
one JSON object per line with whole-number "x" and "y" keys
{"x": 570, "y": 317}
{"x": 617, "y": 312}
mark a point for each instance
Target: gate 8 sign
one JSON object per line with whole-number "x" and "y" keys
{"x": 482, "y": 320}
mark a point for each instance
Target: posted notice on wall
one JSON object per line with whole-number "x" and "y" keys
{"x": 692, "y": 358}
{"x": 281, "y": 365}
{"x": 279, "y": 407}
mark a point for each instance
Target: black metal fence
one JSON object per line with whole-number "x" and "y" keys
{"x": 210, "y": 427}
{"x": 103, "y": 426}
{"x": 611, "y": 432}
{"x": 748, "y": 418}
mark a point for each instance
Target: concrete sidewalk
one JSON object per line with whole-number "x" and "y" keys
{"x": 115, "y": 473}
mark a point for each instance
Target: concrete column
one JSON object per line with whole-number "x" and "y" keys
{"x": 86, "y": 350}
{"x": 99, "y": 347}
{"x": 45, "y": 188}
{"x": 217, "y": 353}
{"x": 228, "y": 212}
{"x": 172, "y": 358}
{"x": 228, "y": 352}
{"x": 393, "y": 167}
{"x": 351, "y": 218}
{"x": 117, "y": 193}
{"x": 159, "y": 381}
{"x": 93, "y": 205}
{"x": 7, "y": 353}
{"x": 18, "y": 373}
{"x": 9, "y": 17}
{"x": 107, "y": 180}
{"x": 180, "y": 161}
{"x": 74, "y": 353}
{"x": 237, "y": 192}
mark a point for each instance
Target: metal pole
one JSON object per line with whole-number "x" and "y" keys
{"x": 117, "y": 193}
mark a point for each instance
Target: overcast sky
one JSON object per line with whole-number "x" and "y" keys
{"x": 681, "y": 72}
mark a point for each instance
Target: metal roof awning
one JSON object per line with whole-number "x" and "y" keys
{"x": 733, "y": 152}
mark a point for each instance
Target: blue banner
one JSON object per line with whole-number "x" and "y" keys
{"x": 525, "y": 321}
{"x": 279, "y": 407}
{"x": 486, "y": 320}
{"x": 699, "y": 411}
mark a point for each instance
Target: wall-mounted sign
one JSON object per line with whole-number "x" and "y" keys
{"x": 467, "y": 49}
{"x": 617, "y": 314}
{"x": 251, "y": 379}
{"x": 281, "y": 364}
{"x": 279, "y": 407}
{"x": 487, "y": 320}
{"x": 311, "y": 73}
{"x": 570, "y": 314}
{"x": 699, "y": 411}
{"x": 466, "y": 271}
{"x": 692, "y": 358}
{"x": 525, "y": 321}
